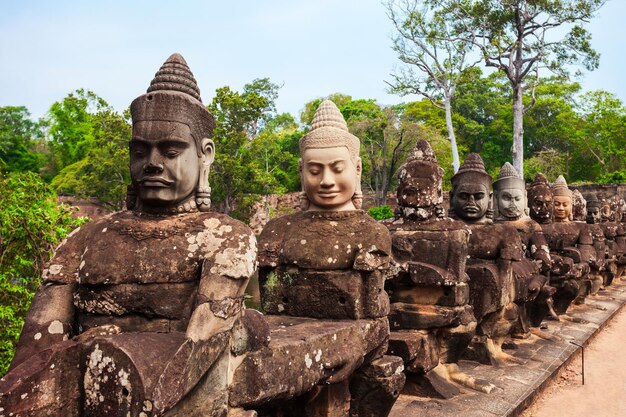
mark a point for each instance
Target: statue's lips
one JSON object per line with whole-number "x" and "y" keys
{"x": 155, "y": 182}
{"x": 328, "y": 194}
{"x": 471, "y": 209}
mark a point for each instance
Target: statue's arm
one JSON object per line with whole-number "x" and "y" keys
{"x": 375, "y": 253}
{"x": 50, "y": 318}
{"x": 222, "y": 284}
{"x": 540, "y": 251}
{"x": 219, "y": 303}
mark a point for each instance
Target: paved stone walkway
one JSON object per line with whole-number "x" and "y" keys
{"x": 519, "y": 385}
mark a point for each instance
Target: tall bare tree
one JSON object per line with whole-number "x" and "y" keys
{"x": 522, "y": 38}
{"x": 433, "y": 54}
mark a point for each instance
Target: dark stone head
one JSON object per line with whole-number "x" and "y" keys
{"x": 171, "y": 151}
{"x": 593, "y": 209}
{"x": 419, "y": 193}
{"x": 540, "y": 202}
{"x": 471, "y": 190}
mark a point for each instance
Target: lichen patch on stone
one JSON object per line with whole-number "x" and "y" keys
{"x": 55, "y": 269}
{"x": 56, "y": 327}
{"x": 237, "y": 262}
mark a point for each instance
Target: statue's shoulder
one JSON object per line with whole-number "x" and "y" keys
{"x": 507, "y": 233}
{"x": 212, "y": 220}
{"x": 227, "y": 233}
{"x": 272, "y": 236}
{"x": 533, "y": 226}
{"x": 372, "y": 231}
{"x": 64, "y": 265}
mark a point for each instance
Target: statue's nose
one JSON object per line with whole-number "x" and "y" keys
{"x": 153, "y": 168}
{"x": 153, "y": 164}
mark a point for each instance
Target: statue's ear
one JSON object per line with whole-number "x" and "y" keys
{"x": 300, "y": 166}
{"x": 207, "y": 148}
{"x": 359, "y": 166}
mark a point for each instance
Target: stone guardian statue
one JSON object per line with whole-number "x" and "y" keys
{"x": 136, "y": 310}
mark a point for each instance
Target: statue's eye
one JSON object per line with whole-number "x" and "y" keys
{"x": 171, "y": 153}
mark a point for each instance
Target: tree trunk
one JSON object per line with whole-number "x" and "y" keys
{"x": 384, "y": 187}
{"x": 518, "y": 129}
{"x": 228, "y": 199}
{"x": 455, "y": 151}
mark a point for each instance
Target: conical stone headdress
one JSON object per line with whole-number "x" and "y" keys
{"x": 559, "y": 188}
{"x": 592, "y": 201}
{"x": 174, "y": 96}
{"x": 508, "y": 178}
{"x": 422, "y": 152}
{"x": 539, "y": 186}
{"x": 472, "y": 170}
{"x": 421, "y": 162}
{"x": 328, "y": 130}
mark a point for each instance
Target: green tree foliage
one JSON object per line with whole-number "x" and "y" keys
{"x": 549, "y": 161}
{"x": 103, "y": 172}
{"x": 31, "y": 225}
{"x": 380, "y": 212}
{"x": 71, "y": 128}
{"x": 19, "y": 137}
{"x": 275, "y": 154}
{"x": 601, "y": 139}
{"x": 482, "y": 114}
{"x": 240, "y": 118}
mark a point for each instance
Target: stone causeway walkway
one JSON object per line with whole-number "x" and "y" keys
{"x": 517, "y": 386}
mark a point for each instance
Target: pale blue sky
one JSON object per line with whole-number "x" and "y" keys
{"x": 314, "y": 48}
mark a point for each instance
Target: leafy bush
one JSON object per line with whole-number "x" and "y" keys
{"x": 615, "y": 177}
{"x": 31, "y": 225}
{"x": 244, "y": 207}
{"x": 380, "y": 212}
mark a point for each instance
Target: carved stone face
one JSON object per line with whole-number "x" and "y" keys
{"x": 562, "y": 208}
{"x": 606, "y": 213}
{"x": 471, "y": 201}
{"x": 511, "y": 202}
{"x": 329, "y": 178}
{"x": 164, "y": 165}
{"x": 419, "y": 192}
{"x": 579, "y": 210}
{"x": 541, "y": 207}
{"x": 593, "y": 214}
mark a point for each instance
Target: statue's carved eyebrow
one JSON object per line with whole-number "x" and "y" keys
{"x": 172, "y": 141}
{"x": 331, "y": 163}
